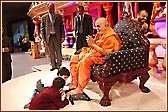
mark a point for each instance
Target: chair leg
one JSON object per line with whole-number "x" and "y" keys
{"x": 105, "y": 88}
{"x": 143, "y": 78}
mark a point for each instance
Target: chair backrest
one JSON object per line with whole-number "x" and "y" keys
{"x": 129, "y": 35}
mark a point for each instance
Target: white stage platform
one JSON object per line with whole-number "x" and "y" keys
{"x": 16, "y": 93}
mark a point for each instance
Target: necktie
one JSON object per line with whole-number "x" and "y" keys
{"x": 52, "y": 24}
{"x": 52, "y": 17}
{"x": 81, "y": 25}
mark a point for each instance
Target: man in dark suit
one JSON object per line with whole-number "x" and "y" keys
{"x": 83, "y": 27}
{"x": 52, "y": 30}
{"x": 6, "y": 58}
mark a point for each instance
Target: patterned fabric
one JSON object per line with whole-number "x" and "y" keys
{"x": 128, "y": 34}
{"x": 130, "y": 57}
{"x": 122, "y": 62}
{"x": 97, "y": 69}
{"x": 81, "y": 96}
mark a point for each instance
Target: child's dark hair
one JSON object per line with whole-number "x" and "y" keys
{"x": 58, "y": 82}
{"x": 63, "y": 71}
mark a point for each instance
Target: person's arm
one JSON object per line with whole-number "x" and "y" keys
{"x": 111, "y": 44}
{"x": 8, "y": 48}
{"x": 75, "y": 25}
{"x": 93, "y": 45}
{"x": 62, "y": 28}
{"x": 57, "y": 100}
{"x": 43, "y": 33}
{"x": 99, "y": 49}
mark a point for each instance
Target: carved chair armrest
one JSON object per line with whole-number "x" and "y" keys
{"x": 123, "y": 61}
{"x": 105, "y": 58}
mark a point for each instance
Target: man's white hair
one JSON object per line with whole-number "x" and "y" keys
{"x": 104, "y": 20}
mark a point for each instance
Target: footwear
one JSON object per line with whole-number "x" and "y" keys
{"x": 80, "y": 96}
{"x": 71, "y": 100}
{"x": 52, "y": 69}
{"x": 77, "y": 52}
{"x": 58, "y": 68}
{"x": 27, "y": 106}
{"x": 66, "y": 91}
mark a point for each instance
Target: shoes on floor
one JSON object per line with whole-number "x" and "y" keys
{"x": 71, "y": 100}
{"x": 80, "y": 96}
{"x": 77, "y": 52}
{"x": 58, "y": 67}
{"x": 66, "y": 91}
{"x": 52, "y": 69}
{"x": 27, "y": 106}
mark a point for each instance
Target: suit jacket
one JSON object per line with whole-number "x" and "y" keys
{"x": 49, "y": 99}
{"x": 6, "y": 56}
{"x": 58, "y": 25}
{"x": 87, "y": 25}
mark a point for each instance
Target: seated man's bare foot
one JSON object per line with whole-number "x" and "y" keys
{"x": 71, "y": 86}
{"x": 75, "y": 91}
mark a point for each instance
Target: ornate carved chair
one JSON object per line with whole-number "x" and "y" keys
{"x": 130, "y": 62}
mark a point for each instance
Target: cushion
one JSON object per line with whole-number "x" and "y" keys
{"x": 80, "y": 96}
{"x": 122, "y": 62}
{"x": 39, "y": 86}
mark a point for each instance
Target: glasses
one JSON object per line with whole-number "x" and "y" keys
{"x": 97, "y": 25}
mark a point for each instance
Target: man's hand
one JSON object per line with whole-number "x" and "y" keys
{"x": 90, "y": 40}
{"x": 61, "y": 91}
{"x": 63, "y": 39}
{"x": 93, "y": 45}
{"x": 6, "y": 49}
{"x": 145, "y": 26}
{"x": 44, "y": 42}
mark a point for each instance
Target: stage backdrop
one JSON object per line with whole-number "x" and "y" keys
{"x": 20, "y": 31}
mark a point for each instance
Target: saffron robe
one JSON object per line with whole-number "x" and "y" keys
{"x": 80, "y": 65}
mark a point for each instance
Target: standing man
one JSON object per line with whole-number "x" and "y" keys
{"x": 6, "y": 58}
{"x": 83, "y": 27}
{"x": 52, "y": 30}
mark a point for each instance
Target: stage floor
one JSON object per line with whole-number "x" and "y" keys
{"x": 17, "y": 92}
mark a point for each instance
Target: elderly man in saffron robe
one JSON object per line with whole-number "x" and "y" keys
{"x": 105, "y": 41}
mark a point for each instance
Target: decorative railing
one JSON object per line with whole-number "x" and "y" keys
{"x": 37, "y": 9}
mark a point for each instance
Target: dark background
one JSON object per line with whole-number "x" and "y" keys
{"x": 13, "y": 12}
